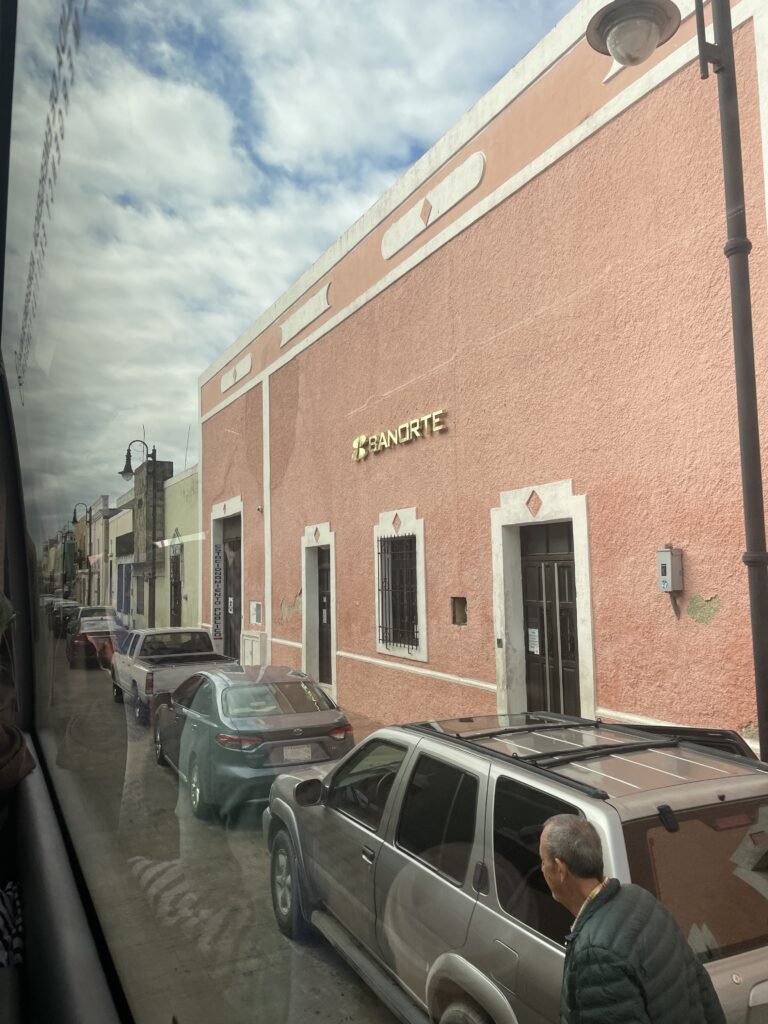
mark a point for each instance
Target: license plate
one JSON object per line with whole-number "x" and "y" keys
{"x": 297, "y": 753}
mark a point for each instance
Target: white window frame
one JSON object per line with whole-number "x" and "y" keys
{"x": 407, "y": 522}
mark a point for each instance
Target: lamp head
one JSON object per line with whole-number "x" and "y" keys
{"x": 630, "y": 30}
{"x": 127, "y": 471}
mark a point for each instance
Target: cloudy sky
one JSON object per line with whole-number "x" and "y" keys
{"x": 208, "y": 153}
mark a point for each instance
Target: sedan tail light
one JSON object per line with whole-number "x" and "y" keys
{"x": 244, "y": 743}
{"x": 340, "y": 732}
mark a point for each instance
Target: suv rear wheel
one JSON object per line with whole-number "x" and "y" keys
{"x": 286, "y": 888}
{"x": 465, "y": 1013}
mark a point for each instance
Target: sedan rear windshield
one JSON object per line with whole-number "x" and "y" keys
{"x": 712, "y": 874}
{"x": 257, "y": 699}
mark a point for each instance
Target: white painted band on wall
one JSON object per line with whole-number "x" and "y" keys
{"x": 439, "y": 200}
{"x": 304, "y": 315}
{"x": 398, "y": 666}
{"x": 231, "y": 377}
{"x": 286, "y": 643}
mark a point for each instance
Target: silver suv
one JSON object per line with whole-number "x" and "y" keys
{"x": 417, "y": 857}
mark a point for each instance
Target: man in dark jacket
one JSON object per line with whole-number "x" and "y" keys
{"x": 626, "y": 960}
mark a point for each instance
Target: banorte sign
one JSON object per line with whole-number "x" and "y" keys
{"x": 422, "y": 426}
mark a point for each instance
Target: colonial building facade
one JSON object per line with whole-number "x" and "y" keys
{"x": 438, "y": 471}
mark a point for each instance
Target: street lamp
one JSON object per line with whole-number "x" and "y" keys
{"x": 88, "y": 525}
{"x": 127, "y": 474}
{"x": 630, "y": 30}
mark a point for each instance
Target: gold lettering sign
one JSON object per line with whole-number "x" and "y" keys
{"x": 422, "y": 426}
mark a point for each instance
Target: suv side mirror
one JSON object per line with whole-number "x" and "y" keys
{"x": 309, "y": 793}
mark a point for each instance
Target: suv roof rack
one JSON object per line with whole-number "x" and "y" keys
{"x": 546, "y": 763}
{"x": 460, "y": 740}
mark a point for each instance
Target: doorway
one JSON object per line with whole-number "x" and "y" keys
{"x": 232, "y": 610}
{"x": 324, "y": 614}
{"x": 175, "y": 590}
{"x": 549, "y": 618}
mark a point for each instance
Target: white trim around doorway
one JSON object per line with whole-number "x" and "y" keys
{"x": 315, "y": 536}
{"x": 527, "y": 506}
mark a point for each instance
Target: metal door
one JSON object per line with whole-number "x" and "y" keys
{"x": 549, "y": 610}
{"x": 175, "y": 590}
{"x": 232, "y": 610}
{"x": 324, "y": 614}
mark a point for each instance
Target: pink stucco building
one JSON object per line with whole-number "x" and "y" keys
{"x": 437, "y": 471}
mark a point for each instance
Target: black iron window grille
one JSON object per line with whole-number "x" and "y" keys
{"x": 398, "y": 592}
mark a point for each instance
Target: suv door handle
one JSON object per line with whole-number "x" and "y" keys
{"x": 368, "y": 855}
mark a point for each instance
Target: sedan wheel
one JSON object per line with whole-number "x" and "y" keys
{"x": 285, "y": 886}
{"x": 200, "y": 806}
{"x": 159, "y": 752}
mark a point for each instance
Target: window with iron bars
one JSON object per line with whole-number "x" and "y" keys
{"x": 398, "y": 592}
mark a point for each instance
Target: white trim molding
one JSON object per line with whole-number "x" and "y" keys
{"x": 316, "y": 536}
{"x": 304, "y": 315}
{"x": 266, "y": 497}
{"x": 555, "y": 502}
{"x": 399, "y": 522}
{"x": 478, "y": 684}
{"x": 286, "y": 643}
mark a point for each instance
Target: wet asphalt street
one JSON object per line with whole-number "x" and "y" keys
{"x": 184, "y": 904}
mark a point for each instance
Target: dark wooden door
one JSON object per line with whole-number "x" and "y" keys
{"x": 232, "y": 602}
{"x": 549, "y": 603}
{"x": 324, "y": 614}
{"x": 175, "y": 590}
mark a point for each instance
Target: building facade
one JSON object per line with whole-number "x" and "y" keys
{"x": 177, "y": 596}
{"x": 438, "y": 471}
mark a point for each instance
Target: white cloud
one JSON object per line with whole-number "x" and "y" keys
{"x": 210, "y": 155}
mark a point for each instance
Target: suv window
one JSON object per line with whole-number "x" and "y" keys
{"x": 712, "y": 873}
{"x": 361, "y": 787}
{"x": 437, "y": 822}
{"x": 519, "y": 813}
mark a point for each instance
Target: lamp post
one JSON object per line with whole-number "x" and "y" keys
{"x": 630, "y": 30}
{"x": 88, "y": 525}
{"x": 127, "y": 474}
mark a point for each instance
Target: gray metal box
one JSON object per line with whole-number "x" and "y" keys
{"x": 669, "y": 569}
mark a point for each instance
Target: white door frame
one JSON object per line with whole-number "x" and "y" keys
{"x": 526, "y": 506}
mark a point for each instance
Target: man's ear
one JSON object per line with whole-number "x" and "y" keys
{"x": 561, "y": 868}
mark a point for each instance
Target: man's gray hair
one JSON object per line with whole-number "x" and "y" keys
{"x": 575, "y": 841}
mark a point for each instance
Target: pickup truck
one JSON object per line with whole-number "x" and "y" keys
{"x": 152, "y": 661}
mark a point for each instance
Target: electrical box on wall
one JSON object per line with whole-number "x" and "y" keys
{"x": 669, "y": 570}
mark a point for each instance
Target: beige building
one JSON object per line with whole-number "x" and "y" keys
{"x": 178, "y": 557}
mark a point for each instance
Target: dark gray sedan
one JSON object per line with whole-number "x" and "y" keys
{"x": 228, "y": 734}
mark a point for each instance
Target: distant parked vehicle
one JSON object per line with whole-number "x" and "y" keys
{"x": 61, "y": 615}
{"x": 85, "y": 643}
{"x": 229, "y": 732}
{"x": 152, "y": 661}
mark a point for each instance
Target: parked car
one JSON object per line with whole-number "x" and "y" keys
{"x": 85, "y": 642}
{"x": 61, "y": 615}
{"x": 229, "y": 732}
{"x": 92, "y": 611}
{"x": 152, "y": 661}
{"x": 417, "y": 857}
